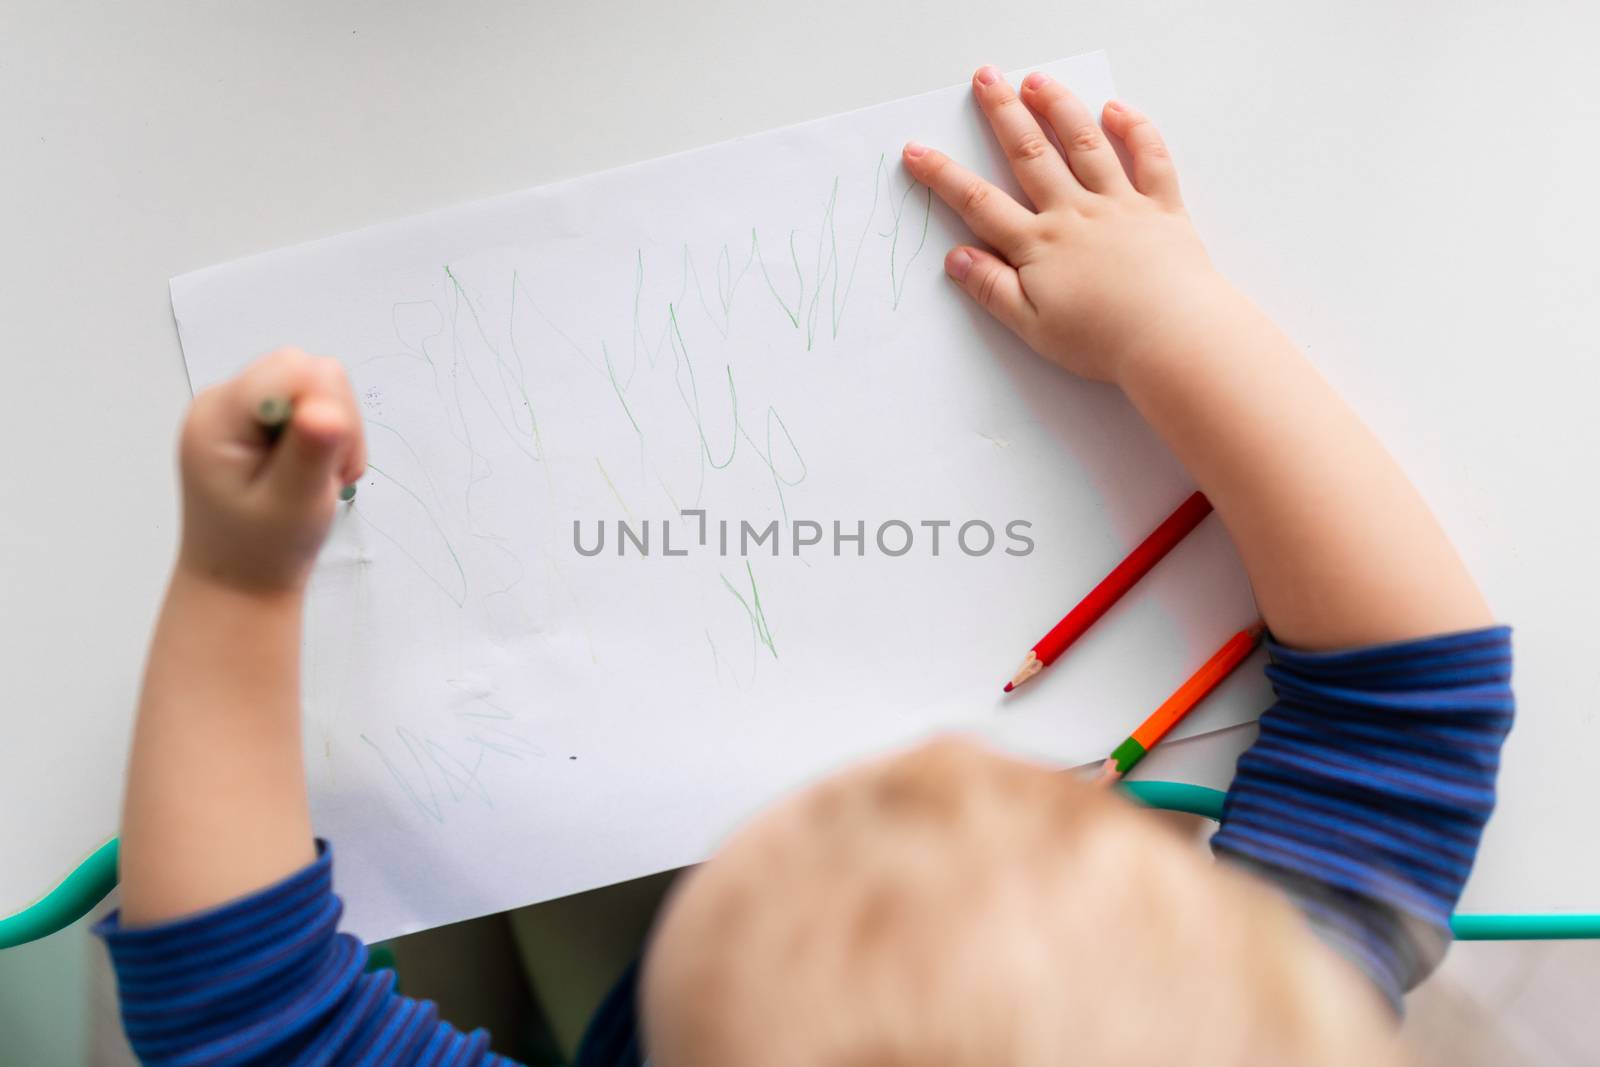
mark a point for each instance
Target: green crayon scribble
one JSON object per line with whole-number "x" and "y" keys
{"x": 460, "y": 598}
{"x": 825, "y": 237}
{"x": 691, "y": 399}
{"x": 716, "y": 658}
{"x": 794, "y": 318}
{"x": 897, "y": 284}
{"x": 757, "y": 614}
{"x": 618, "y": 389}
{"x": 840, "y": 301}
{"x": 612, "y": 486}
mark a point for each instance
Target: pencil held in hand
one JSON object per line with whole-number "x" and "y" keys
{"x": 1123, "y": 577}
{"x": 274, "y": 413}
{"x": 1186, "y": 699}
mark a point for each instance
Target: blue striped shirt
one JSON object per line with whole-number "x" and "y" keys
{"x": 268, "y": 979}
{"x": 1367, "y": 791}
{"x": 1363, "y": 799}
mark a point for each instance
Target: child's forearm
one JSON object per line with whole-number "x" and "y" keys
{"x": 216, "y": 816}
{"x": 1340, "y": 548}
{"x": 216, "y": 802}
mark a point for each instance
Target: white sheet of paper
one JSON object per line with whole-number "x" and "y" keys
{"x": 760, "y": 330}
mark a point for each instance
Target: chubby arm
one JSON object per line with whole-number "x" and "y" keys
{"x": 227, "y": 947}
{"x": 1104, "y": 275}
{"x": 216, "y": 801}
{"x": 1365, "y": 795}
{"x": 1340, "y": 547}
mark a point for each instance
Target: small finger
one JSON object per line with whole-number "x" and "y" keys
{"x": 334, "y": 382}
{"x": 264, "y": 392}
{"x": 991, "y": 214}
{"x": 306, "y": 463}
{"x": 1039, "y": 168}
{"x": 993, "y": 283}
{"x": 1153, "y": 172}
{"x": 1089, "y": 154}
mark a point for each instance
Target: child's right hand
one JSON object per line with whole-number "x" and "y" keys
{"x": 256, "y": 509}
{"x": 1104, "y": 271}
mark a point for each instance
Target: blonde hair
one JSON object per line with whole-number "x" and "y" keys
{"x": 954, "y": 907}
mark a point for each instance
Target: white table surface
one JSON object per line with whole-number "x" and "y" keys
{"x": 1408, "y": 187}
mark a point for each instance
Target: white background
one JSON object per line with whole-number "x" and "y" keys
{"x": 1410, "y": 189}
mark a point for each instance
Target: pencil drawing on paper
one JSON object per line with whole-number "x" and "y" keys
{"x": 491, "y": 407}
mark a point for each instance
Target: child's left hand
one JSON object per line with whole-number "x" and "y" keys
{"x": 1101, "y": 271}
{"x": 257, "y": 508}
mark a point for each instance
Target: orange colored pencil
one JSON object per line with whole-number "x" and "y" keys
{"x": 1182, "y": 702}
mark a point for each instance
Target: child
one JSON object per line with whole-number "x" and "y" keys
{"x": 946, "y": 906}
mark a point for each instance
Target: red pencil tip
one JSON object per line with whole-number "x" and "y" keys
{"x": 1009, "y": 687}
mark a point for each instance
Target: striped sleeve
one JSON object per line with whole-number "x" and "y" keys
{"x": 268, "y": 979}
{"x": 1366, "y": 793}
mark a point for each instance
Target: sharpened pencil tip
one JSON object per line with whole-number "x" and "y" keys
{"x": 1009, "y": 687}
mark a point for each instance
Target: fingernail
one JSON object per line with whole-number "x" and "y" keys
{"x": 958, "y": 263}
{"x": 1035, "y": 81}
{"x": 915, "y": 149}
{"x": 988, "y": 75}
{"x": 1114, "y": 105}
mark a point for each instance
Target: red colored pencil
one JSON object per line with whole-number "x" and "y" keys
{"x": 1111, "y": 588}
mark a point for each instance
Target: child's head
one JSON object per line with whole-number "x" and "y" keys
{"x": 954, "y": 907}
